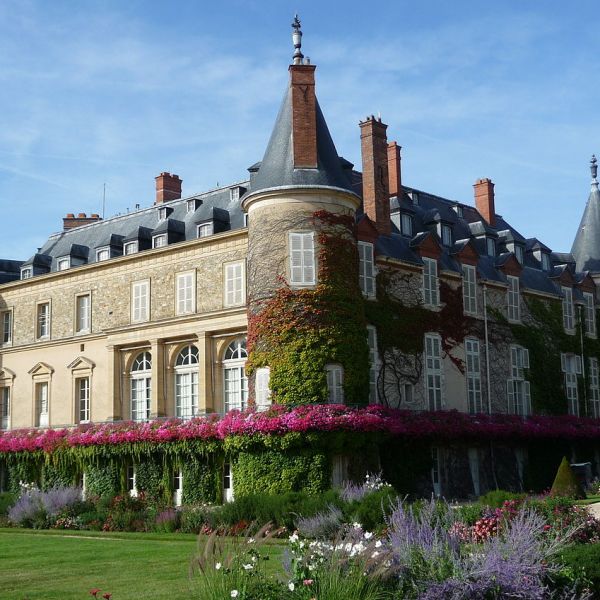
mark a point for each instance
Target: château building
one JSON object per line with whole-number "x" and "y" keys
{"x": 411, "y": 300}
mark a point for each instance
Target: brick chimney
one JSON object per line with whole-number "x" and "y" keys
{"x": 70, "y": 221}
{"x": 484, "y": 200}
{"x": 394, "y": 169}
{"x": 304, "y": 116}
{"x": 376, "y": 193}
{"x": 168, "y": 187}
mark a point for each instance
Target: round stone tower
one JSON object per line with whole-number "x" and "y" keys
{"x": 303, "y": 294}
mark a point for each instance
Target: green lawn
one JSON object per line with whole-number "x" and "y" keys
{"x": 60, "y": 565}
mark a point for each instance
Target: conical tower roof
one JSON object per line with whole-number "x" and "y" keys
{"x": 586, "y": 247}
{"x": 277, "y": 167}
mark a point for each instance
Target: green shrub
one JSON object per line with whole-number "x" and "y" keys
{"x": 193, "y": 518}
{"x": 470, "y": 513}
{"x": 7, "y": 499}
{"x": 566, "y": 482}
{"x": 93, "y": 520}
{"x": 496, "y": 498}
{"x": 372, "y": 510}
{"x": 584, "y": 559}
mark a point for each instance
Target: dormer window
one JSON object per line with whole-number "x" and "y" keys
{"x": 458, "y": 209}
{"x": 406, "y": 227}
{"x": 191, "y": 206}
{"x": 62, "y": 264}
{"x": 245, "y": 219}
{"x": 102, "y": 254}
{"x": 490, "y": 246}
{"x": 163, "y": 213}
{"x": 26, "y": 273}
{"x": 205, "y": 229}
{"x": 234, "y": 194}
{"x": 519, "y": 253}
{"x": 546, "y": 266}
{"x": 414, "y": 196}
{"x": 446, "y": 234}
{"x": 131, "y": 248}
{"x": 159, "y": 241}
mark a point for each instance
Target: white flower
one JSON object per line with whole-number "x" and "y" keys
{"x": 375, "y": 554}
{"x": 356, "y": 525}
{"x": 248, "y": 567}
{"x": 218, "y": 566}
{"x": 378, "y": 544}
{"x": 368, "y": 535}
{"x": 291, "y": 586}
{"x": 294, "y": 537}
{"x": 234, "y": 593}
{"x": 251, "y": 540}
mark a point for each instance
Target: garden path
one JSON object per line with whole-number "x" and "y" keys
{"x": 595, "y": 509}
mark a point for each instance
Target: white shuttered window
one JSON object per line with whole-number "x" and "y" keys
{"x": 473, "y": 376}
{"x": 594, "y": 388}
{"x": 517, "y": 388}
{"x": 431, "y": 294}
{"x": 568, "y": 309}
{"x": 433, "y": 370}
{"x": 185, "y": 293}
{"x": 335, "y": 383}
{"x": 512, "y": 299}
{"x": 571, "y": 365}
{"x": 262, "y": 392}
{"x": 469, "y": 290}
{"x": 234, "y": 284}
{"x": 366, "y": 269}
{"x": 140, "y": 301}
{"x": 590, "y": 314}
{"x": 302, "y": 258}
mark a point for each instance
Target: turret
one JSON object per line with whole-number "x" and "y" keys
{"x": 302, "y": 256}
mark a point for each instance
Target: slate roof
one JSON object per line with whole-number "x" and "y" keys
{"x": 277, "y": 166}
{"x": 586, "y": 247}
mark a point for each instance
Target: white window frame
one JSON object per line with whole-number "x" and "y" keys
{"x": 490, "y": 246}
{"x": 131, "y": 479}
{"x": 568, "y": 309}
{"x": 594, "y": 379}
{"x": 140, "y": 301}
{"x": 335, "y": 383}
{"x": 205, "y": 230}
{"x": 235, "y": 381}
{"x": 63, "y": 263}
{"x": 446, "y": 234}
{"x": 519, "y": 253}
{"x": 469, "y": 289}
{"x": 262, "y": 388}
{"x": 302, "y": 258}
{"x": 160, "y": 241}
{"x": 26, "y": 273}
{"x": 103, "y": 254}
{"x": 366, "y": 269}
{"x": 234, "y": 279}
{"x": 234, "y": 193}
{"x": 513, "y": 299}
{"x": 517, "y": 387}
{"x": 227, "y": 483}
{"x": 83, "y": 313}
{"x": 473, "y": 375}
{"x": 130, "y": 248}
{"x": 42, "y": 403}
{"x": 373, "y": 363}
{"x": 5, "y": 407}
{"x": 186, "y": 382}
{"x": 178, "y": 488}
{"x": 571, "y": 365}
{"x": 431, "y": 286}
{"x": 185, "y": 293}
{"x": 590, "y": 314}
{"x": 83, "y": 390}
{"x": 163, "y": 213}
{"x": 406, "y": 224}
{"x": 190, "y": 206}
{"x": 43, "y": 320}
{"x": 433, "y": 372}
{"x": 545, "y": 262}
{"x": 7, "y": 326}
{"x": 141, "y": 387}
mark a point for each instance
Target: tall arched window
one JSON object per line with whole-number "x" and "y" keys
{"x": 186, "y": 383}
{"x": 235, "y": 383}
{"x": 141, "y": 378}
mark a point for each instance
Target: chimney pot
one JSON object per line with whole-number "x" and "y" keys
{"x": 81, "y": 216}
{"x": 376, "y": 192}
{"x": 70, "y": 216}
{"x": 95, "y": 216}
{"x": 484, "y": 200}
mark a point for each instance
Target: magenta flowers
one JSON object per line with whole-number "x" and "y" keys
{"x": 280, "y": 420}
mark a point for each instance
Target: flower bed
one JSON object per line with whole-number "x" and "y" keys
{"x": 280, "y": 420}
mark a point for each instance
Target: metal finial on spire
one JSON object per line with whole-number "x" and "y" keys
{"x": 297, "y": 39}
{"x": 594, "y": 169}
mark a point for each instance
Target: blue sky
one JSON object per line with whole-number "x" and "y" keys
{"x": 114, "y": 92}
